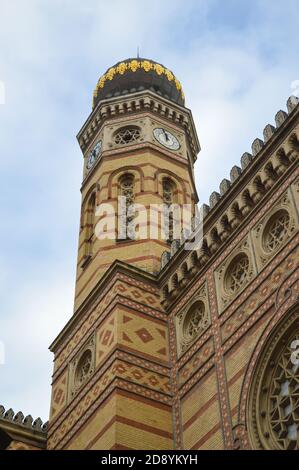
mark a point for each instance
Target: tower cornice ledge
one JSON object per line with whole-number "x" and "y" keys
{"x": 134, "y": 103}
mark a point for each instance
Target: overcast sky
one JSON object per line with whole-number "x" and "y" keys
{"x": 236, "y": 61}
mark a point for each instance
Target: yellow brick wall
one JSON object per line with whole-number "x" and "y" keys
{"x": 143, "y": 424}
{"x": 134, "y": 325}
{"x": 200, "y": 416}
{"x": 236, "y": 363}
{"x": 126, "y": 421}
{"x": 99, "y": 432}
{"x": 145, "y": 253}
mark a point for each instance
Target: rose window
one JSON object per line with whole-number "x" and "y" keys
{"x": 83, "y": 368}
{"x": 276, "y": 231}
{"x": 283, "y": 400}
{"x": 238, "y": 274}
{"x": 127, "y": 135}
{"x": 195, "y": 321}
{"x": 274, "y": 412}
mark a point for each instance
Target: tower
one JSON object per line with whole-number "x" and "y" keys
{"x": 111, "y": 381}
{"x": 138, "y": 138}
{"x": 200, "y": 351}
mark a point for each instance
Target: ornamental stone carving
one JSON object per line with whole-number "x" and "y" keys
{"x": 81, "y": 367}
{"x": 193, "y": 320}
{"x": 234, "y": 274}
{"x": 273, "y": 231}
{"x": 273, "y": 400}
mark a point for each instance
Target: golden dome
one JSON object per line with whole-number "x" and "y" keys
{"x": 138, "y": 74}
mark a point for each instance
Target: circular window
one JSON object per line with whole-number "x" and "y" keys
{"x": 238, "y": 274}
{"x": 194, "y": 321}
{"x": 127, "y": 135}
{"x": 275, "y": 395}
{"x": 276, "y": 230}
{"x": 83, "y": 368}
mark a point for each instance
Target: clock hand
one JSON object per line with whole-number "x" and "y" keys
{"x": 165, "y": 134}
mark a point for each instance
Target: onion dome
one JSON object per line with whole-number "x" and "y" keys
{"x": 133, "y": 75}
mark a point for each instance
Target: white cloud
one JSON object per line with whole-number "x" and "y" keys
{"x": 38, "y": 312}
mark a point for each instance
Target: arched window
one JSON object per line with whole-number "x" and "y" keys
{"x": 89, "y": 224}
{"x": 273, "y": 404}
{"x": 126, "y": 190}
{"x": 169, "y": 189}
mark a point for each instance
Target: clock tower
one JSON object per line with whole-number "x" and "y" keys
{"x": 111, "y": 382}
{"x": 138, "y": 138}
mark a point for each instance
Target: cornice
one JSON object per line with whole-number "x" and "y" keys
{"x": 132, "y": 104}
{"x": 23, "y": 429}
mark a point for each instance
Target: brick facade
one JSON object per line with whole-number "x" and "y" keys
{"x": 148, "y": 383}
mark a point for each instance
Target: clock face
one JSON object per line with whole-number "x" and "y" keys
{"x": 94, "y": 154}
{"x": 166, "y": 139}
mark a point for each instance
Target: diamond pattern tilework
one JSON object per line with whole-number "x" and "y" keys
{"x": 59, "y": 395}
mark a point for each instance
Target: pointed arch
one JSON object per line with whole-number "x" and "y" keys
{"x": 178, "y": 181}
{"x": 116, "y": 174}
{"x": 89, "y": 224}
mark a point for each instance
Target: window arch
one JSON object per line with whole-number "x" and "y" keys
{"x": 126, "y": 190}
{"x": 169, "y": 189}
{"x": 126, "y": 187}
{"x": 169, "y": 198}
{"x": 89, "y": 224}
